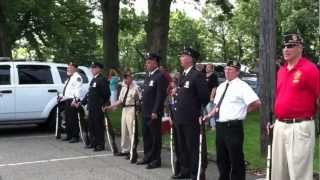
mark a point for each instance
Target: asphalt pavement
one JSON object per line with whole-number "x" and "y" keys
{"x": 29, "y": 153}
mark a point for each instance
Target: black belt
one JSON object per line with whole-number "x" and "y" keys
{"x": 229, "y": 123}
{"x": 129, "y": 105}
{"x": 295, "y": 120}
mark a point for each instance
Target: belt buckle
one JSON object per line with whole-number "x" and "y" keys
{"x": 229, "y": 124}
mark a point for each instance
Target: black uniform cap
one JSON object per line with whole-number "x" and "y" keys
{"x": 153, "y": 56}
{"x": 234, "y": 64}
{"x": 96, "y": 64}
{"x": 190, "y": 52}
{"x": 292, "y": 38}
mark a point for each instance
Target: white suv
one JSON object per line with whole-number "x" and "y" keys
{"x": 28, "y": 90}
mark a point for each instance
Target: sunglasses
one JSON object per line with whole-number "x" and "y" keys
{"x": 288, "y": 46}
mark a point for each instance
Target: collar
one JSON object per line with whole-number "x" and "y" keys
{"x": 96, "y": 75}
{"x": 186, "y": 71}
{"x": 298, "y": 64}
{"x": 151, "y": 73}
{"x": 233, "y": 81}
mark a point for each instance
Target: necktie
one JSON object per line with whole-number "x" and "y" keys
{"x": 65, "y": 87}
{"x": 216, "y": 113}
{"x": 184, "y": 73}
{"x": 125, "y": 96}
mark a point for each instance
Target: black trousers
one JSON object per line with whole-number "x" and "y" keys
{"x": 188, "y": 141}
{"x": 152, "y": 139}
{"x": 176, "y": 146}
{"x": 96, "y": 126}
{"x": 72, "y": 120}
{"x": 229, "y": 144}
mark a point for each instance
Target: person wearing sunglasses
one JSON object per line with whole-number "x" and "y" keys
{"x": 297, "y": 96}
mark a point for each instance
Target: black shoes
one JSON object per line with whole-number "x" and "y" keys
{"x": 142, "y": 162}
{"x": 122, "y": 154}
{"x": 74, "y": 140}
{"x": 99, "y": 148}
{"x": 153, "y": 165}
{"x": 66, "y": 139}
{"x": 180, "y": 176}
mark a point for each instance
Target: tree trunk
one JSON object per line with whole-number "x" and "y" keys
{"x": 5, "y": 50}
{"x": 267, "y": 57}
{"x": 110, "y": 11}
{"x": 158, "y": 27}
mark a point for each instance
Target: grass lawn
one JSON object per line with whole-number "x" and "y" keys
{"x": 251, "y": 144}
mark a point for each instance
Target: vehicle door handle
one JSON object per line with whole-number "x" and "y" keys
{"x": 6, "y": 91}
{"x": 52, "y": 91}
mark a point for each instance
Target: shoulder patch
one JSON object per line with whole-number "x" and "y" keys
{"x": 79, "y": 79}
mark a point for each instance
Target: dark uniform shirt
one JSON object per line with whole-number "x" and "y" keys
{"x": 192, "y": 94}
{"x": 154, "y": 94}
{"x": 99, "y": 92}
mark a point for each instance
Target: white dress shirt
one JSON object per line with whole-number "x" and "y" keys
{"x": 186, "y": 71}
{"x": 133, "y": 94}
{"x": 236, "y": 100}
{"x": 74, "y": 88}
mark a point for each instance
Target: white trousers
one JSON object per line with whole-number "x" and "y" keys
{"x": 127, "y": 119}
{"x": 292, "y": 151}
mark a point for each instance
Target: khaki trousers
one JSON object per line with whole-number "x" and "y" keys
{"x": 127, "y": 119}
{"x": 292, "y": 151}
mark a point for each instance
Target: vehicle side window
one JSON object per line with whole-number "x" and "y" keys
{"x": 34, "y": 74}
{"x": 63, "y": 74}
{"x": 83, "y": 75}
{"x": 5, "y": 75}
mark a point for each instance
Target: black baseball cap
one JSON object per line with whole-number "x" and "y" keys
{"x": 234, "y": 64}
{"x": 96, "y": 64}
{"x": 190, "y": 52}
{"x": 292, "y": 38}
{"x": 153, "y": 56}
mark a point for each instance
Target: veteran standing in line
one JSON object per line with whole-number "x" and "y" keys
{"x": 153, "y": 96}
{"x": 128, "y": 99}
{"x": 234, "y": 98}
{"x": 97, "y": 98}
{"x": 73, "y": 94}
{"x": 192, "y": 97}
{"x": 297, "y": 96}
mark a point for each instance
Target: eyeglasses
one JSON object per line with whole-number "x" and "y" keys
{"x": 288, "y": 46}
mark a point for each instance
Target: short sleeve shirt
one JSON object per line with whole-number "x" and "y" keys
{"x": 297, "y": 90}
{"x": 238, "y": 97}
{"x": 132, "y": 96}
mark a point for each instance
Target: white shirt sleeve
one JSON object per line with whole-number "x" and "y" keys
{"x": 248, "y": 95}
{"x": 122, "y": 92}
{"x": 78, "y": 88}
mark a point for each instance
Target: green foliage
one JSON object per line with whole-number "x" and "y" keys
{"x": 53, "y": 29}
{"x": 132, "y": 38}
{"x": 185, "y": 31}
{"x": 302, "y": 17}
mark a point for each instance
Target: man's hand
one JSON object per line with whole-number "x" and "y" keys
{"x": 173, "y": 92}
{"x": 269, "y": 128}
{"x": 203, "y": 119}
{"x": 108, "y": 108}
{"x": 154, "y": 116}
{"x": 75, "y": 104}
